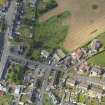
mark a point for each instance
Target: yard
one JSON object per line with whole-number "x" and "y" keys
{"x": 15, "y": 74}
{"x": 99, "y": 58}
{"x": 24, "y": 98}
{"x": 47, "y": 100}
{"x": 5, "y": 100}
{"x": 81, "y": 98}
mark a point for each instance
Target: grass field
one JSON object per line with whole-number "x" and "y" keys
{"x": 98, "y": 59}
{"x": 47, "y": 100}
{"x": 85, "y": 22}
{"x": 49, "y": 34}
{"x": 5, "y": 100}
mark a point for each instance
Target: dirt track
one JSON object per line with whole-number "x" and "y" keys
{"x": 85, "y": 22}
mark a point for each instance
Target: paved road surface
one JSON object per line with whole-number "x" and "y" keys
{"x": 90, "y": 80}
{"x": 9, "y": 18}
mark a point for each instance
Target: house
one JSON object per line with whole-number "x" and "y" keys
{"x": 78, "y": 54}
{"x": 95, "y": 93}
{"x": 2, "y": 88}
{"x": 2, "y": 93}
{"x": 68, "y": 103}
{"x": 56, "y": 58}
{"x": 67, "y": 61}
{"x": 95, "y": 45}
{"x": 55, "y": 99}
{"x": 17, "y": 90}
{"x": 83, "y": 87}
{"x": 84, "y": 67}
{"x": 72, "y": 82}
{"x": 2, "y": 14}
{"x": 60, "y": 53}
{"x": 59, "y": 56}
{"x": 95, "y": 71}
{"x": 45, "y": 54}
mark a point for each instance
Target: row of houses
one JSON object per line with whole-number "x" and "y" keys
{"x": 59, "y": 57}
{"x": 89, "y": 89}
{"x": 92, "y": 70}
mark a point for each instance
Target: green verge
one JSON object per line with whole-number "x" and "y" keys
{"x": 101, "y": 37}
{"x": 24, "y": 98}
{"x": 47, "y": 100}
{"x": 15, "y": 74}
{"x": 81, "y": 98}
{"x": 5, "y": 100}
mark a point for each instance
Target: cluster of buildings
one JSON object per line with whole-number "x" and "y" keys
{"x": 89, "y": 79}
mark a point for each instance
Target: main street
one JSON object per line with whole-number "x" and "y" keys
{"x": 10, "y": 15}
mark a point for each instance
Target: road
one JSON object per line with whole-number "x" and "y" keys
{"x": 10, "y": 15}
{"x": 90, "y": 80}
{"x": 32, "y": 65}
{"x": 9, "y": 19}
{"x": 44, "y": 85}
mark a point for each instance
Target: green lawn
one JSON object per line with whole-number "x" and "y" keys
{"x": 15, "y": 74}
{"x": 103, "y": 100}
{"x": 5, "y": 100}
{"x": 48, "y": 35}
{"x": 29, "y": 13}
{"x": 24, "y": 31}
{"x": 47, "y": 100}
{"x": 51, "y": 33}
{"x": 24, "y": 98}
{"x": 81, "y": 98}
{"x": 98, "y": 59}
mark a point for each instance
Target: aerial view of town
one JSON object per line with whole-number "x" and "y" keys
{"x": 52, "y": 52}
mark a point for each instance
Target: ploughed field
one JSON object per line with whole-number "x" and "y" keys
{"x": 87, "y": 20}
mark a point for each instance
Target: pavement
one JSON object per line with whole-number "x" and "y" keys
{"x": 9, "y": 19}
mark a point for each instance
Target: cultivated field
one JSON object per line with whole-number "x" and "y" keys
{"x": 2, "y": 2}
{"x": 87, "y": 20}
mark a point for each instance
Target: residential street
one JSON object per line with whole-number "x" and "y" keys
{"x": 10, "y": 15}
